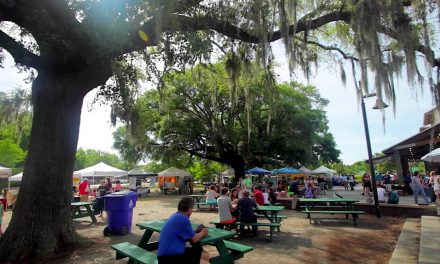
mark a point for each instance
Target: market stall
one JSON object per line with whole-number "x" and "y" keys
{"x": 99, "y": 171}
{"x": 140, "y": 181}
{"x": 173, "y": 179}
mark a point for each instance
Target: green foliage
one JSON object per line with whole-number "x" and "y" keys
{"x": 11, "y": 154}
{"x": 206, "y": 171}
{"x": 199, "y": 117}
{"x": 89, "y": 157}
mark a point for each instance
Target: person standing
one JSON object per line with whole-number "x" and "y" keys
{"x": 351, "y": 182}
{"x": 176, "y": 232}
{"x": 247, "y": 183}
{"x": 417, "y": 188}
{"x": 294, "y": 187}
{"x": 387, "y": 181}
{"x": 436, "y": 187}
{"x": 84, "y": 190}
{"x": 211, "y": 198}
{"x": 367, "y": 184}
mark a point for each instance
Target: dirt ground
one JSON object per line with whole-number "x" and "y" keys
{"x": 325, "y": 241}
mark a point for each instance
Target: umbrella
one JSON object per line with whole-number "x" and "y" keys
{"x": 257, "y": 171}
{"x": 433, "y": 156}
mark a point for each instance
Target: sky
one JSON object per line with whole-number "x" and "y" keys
{"x": 343, "y": 111}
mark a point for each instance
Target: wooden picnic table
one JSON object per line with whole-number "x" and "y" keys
{"x": 77, "y": 212}
{"x": 216, "y": 237}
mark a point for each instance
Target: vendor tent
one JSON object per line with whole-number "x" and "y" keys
{"x": 18, "y": 177}
{"x": 101, "y": 170}
{"x": 323, "y": 170}
{"x": 257, "y": 171}
{"x": 5, "y": 172}
{"x": 140, "y": 172}
{"x": 305, "y": 170}
{"x": 228, "y": 172}
{"x": 172, "y": 178}
{"x": 291, "y": 172}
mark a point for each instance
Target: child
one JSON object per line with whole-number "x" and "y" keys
{"x": 211, "y": 196}
{"x": 266, "y": 197}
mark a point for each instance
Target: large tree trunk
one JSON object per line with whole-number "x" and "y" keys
{"x": 239, "y": 167}
{"x": 41, "y": 221}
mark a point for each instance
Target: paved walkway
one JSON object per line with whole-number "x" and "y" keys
{"x": 357, "y": 193}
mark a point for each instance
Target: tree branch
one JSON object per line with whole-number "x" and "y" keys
{"x": 20, "y": 54}
{"x": 332, "y": 48}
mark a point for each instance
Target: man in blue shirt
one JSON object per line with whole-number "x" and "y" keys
{"x": 176, "y": 232}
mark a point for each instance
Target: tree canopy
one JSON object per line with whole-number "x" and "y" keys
{"x": 285, "y": 126}
{"x": 77, "y": 45}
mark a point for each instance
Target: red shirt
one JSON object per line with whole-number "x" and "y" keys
{"x": 259, "y": 197}
{"x": 82, "y": 188}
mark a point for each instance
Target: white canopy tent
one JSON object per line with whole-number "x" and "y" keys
{"x": 100, "y": 170}
{"x": 18, "y": 177}
{"x": 305, "y": 170}
{"x": 324, "y": 170}
{"x": 5, "y": 173}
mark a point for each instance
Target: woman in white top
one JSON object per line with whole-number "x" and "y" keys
{"x": 435, "y": 181}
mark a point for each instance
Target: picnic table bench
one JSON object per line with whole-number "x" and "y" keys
{"x": 272, "y": 226}
{"x": 141, "y": 253}
{"x": 345, "y": 204}
{"x": 82, "y": 209}
{"x": 198, "y": 198}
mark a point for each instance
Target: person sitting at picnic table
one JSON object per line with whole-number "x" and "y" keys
{"x": 176, "y": 232}
{"x": 265, "y": 196}
{"x": 259, "y": 197}
{"x": 246, "y": 207}
{"x": 225, "y": 208}
{"x": 211, "y": 197}
{"x": 118, "y": 186}
{"x": 294, "y": 187}
{"x": 84, "y": 190}
{"x": 272, "y": 196}
{"x": 309, "y": 191}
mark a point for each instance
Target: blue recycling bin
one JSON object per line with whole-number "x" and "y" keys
{"x": 119, "y": 207}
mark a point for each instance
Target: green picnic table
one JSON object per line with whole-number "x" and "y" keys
{"x": 77, "y": 212}
{"x": 271, "y": 213}
{"x": 345, "y": 204}
{"x": 198, "y": 198}
{"x": 228, "y": 251}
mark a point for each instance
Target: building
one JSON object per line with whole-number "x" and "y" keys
{"x": 415, "y": 147}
